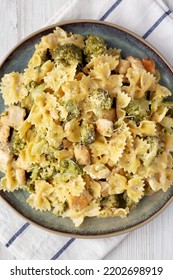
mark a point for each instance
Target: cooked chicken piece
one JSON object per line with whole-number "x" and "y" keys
{"x": 135, "y": 62}
{"x": 4, "y": 133}
{"x": 110, "y": 114}
{"x": 5, "y": 157}
{"x": 149, "y": 65}
{"x": 82, "y": 154}
{"x": 66, "y": 143}
{"x": 104, "y": 127}
{"x": 80, "y": 202}
{"x": 104, "y": 188}
{"x": 15, "y": 117}
{"x": 123, "y": 66}
{"x": 20, "y": 176}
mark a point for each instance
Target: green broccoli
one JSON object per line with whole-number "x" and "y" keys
{"x": 94, "y": 45}
{"x": 87, "y": 133}
{"x": 110, "y": 201}
{"x": 47, "y": 172}
{"x": 128, "y": 201}
{"x": 113, "y": 52}
{"x": 138, "y": 110}
{"x": 72, "y": 109}
{"x": 101, "y": 101}
{"x": 34, "y": 173}
{"x": 152, "y": 151}
{"x": 37, "y": 172}
{"x": 67, "y": 54}
{"x": 17, "y": 144}
{"x": 69, "y": 167}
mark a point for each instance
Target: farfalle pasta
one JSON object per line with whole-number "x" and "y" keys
{"x": 87, "y": 132}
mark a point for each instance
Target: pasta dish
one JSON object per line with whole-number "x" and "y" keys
{"x": 87, "y": 132}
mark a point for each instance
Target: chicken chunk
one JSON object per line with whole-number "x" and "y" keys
{"x": 66, "y": 143}
{"x": 82, "y": 154}
{"x": 104, "y": 188}
{"x": 104, "y": 127}
{"x": 110, "y": 114}
{"x": 15, "y": 117}
{"x": 80, "y": 202}
{"x": 123, "y": 66}
{"x": 149, "y": 65}
{"x": 135, "y": 62}
{"x": 4, "y": 133}
{"x": 5, "y": 156}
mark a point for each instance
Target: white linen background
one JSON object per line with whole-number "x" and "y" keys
{"x": 130, "y": 14}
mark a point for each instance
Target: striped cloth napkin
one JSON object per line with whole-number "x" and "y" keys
{"x": 153, "y": 21}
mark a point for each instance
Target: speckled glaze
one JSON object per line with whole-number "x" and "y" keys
{"x": 149, "y": 207}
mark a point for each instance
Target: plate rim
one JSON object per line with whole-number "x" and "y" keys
{"x": 106, "y": 23}
{"x": 133, "y": 34}
{"x": 89, "y": 236}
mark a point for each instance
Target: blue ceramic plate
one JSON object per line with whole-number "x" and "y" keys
{"x": 149, "y": 207}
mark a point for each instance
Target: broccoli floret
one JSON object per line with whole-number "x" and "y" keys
{"x": 94, "y": 45}
{"x": 110, "y": 201}
{"x": 67, "y": 170}
{"x": 72, "y": 109}
{"x": 129, "y": 202}
{"x": 113, "y": 52}
{"x": 38, "y": 172}
{"x": 138, "y": 110}
{"x": 34, "y": 173}
{"x": 47, "y": 172}
{"x": 17, "y": 143}
{"x": 67, "y": 54}
{"x": 152, "y": 151}
{"x": 87, "y": 133}
{"x": 101, "y": 100}
{"x": 71, "y": 167}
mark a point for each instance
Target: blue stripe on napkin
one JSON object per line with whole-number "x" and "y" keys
{"x": 111, "y": 9}
{"x": 19, "y": 232}
{"x": 59, "y": 253}
{"x": 153, "y": 27}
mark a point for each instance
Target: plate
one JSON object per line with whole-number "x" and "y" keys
{"x": 149, "y": 207}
